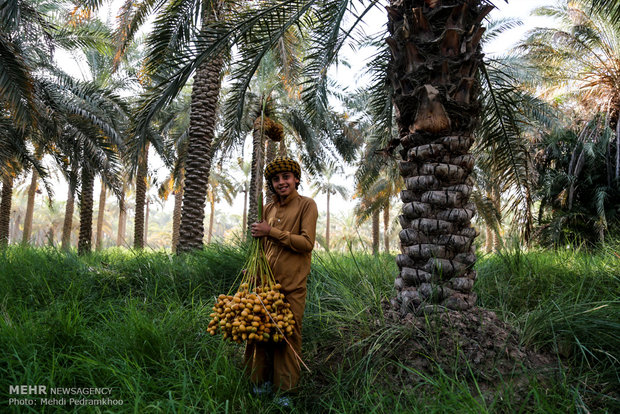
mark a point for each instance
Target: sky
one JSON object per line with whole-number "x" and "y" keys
{"x": 351, "y": 77}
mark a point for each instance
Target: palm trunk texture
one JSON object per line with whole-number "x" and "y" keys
{"x": 30, "y": 207}
{"x": 5, "y": 209}
{"x": 100, "y": 215}
{"x": 122, "y": 218}
{"x": 386, "y": 226}
{"x": 435, "y": 57}
{"x": 68, "y": 220}
{"x": 256, "y": 180}
{"x": 146, "y": 223}
{"x": 205, "y": 94}
{"x": 86, "y": 211}
{"x": 376, "y": 218}
{"x": 138, "y": 229}
{"x": 211, "y": 216}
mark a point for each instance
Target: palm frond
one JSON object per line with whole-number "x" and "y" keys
{"x": 16, "y": 82}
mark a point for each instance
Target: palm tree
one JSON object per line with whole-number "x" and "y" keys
{"x": 609, "y": 7}
{"x": 436, "y": 54}
{"x": 580, "y": 58}
{"x": 69, "y": 206}
{"x": 271, "y": 26}
{"x": 173, "y": 30}
{"x": 100, "y": 215}
{"x": 5, "y": 207}
{"x": 65, "y": 111}
{"x": 578, "y": 61}
{"x": 325, "y": 184}
{"x": 433, "y": 71}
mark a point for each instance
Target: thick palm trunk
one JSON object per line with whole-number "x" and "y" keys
{"x": 67, "y": 225}
{"x": 375, "y": 232}
{"x": 100, "y": 215}
{"x": 435, "y": 58}
{"x": 86, "y": 211}
{"x": 176, "y": 215}
{"x": 138, "y": 230}
{"x": 122, "y": 218}
{"x": 205, "y": 94}
{"x": 211, "y": 216}
{"x": 386, "y": 226}
{"x": 256, "y": 180}
{"x": 5, "y": 209}
{"x": 30, "y": 207}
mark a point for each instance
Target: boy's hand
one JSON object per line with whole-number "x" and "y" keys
{"x": 260, "y": 229}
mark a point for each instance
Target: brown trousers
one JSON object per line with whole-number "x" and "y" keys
{"x": 276, "y": 362}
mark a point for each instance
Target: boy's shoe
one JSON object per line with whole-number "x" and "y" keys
{"x": 262, "y": 389}
{"x": 283, "y": 401}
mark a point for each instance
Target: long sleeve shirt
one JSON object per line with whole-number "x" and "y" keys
{"x": 290, "y": 241}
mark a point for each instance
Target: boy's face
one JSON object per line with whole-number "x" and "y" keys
{"x": 284, "y": 183}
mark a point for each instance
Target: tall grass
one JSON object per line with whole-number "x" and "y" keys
{"x": 136, "y": 322}
{"x": 566, "y": 301}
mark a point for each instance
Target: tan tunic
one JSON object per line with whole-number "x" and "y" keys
{"x": 288, "y": 249}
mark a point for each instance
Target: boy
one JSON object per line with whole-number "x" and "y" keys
{"x": 288, "y": 228}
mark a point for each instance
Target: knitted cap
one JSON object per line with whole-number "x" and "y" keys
{"x": 282, "y": 164}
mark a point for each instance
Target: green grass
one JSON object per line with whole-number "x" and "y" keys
{"x": 136, "y": 322}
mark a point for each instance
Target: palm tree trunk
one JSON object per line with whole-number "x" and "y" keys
{"x": 86, "y": 211}
{"x": 146, "y": 222}
{"x": 122, "y": 217}
{"x": 211, "y": 216}
{"x": 68, "y": 221}
{"x": 386, "y": 226}
{"x": 176, "y": 215}
{"x": 205, "y": 95}
{"x": 30, "y": 207}
{"x": 141, "y": 176}
{"x": 435, "y": 58}
{"x": 256, "y": 180}
{"x": 327, "y": 223}
{"x": 488, "y": 239}
{"x": 5, "y": 209}
{"x": 100, "y": 214}
{"x": 375, "y": 232}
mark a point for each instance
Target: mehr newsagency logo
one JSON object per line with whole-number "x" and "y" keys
{"x": 40, "y": 395}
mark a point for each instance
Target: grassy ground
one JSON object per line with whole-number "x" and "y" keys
{"x": 135, "y": 322}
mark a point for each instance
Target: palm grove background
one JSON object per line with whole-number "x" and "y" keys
{"x": 541, "y": 122}
{"x": 460, "y": 167}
